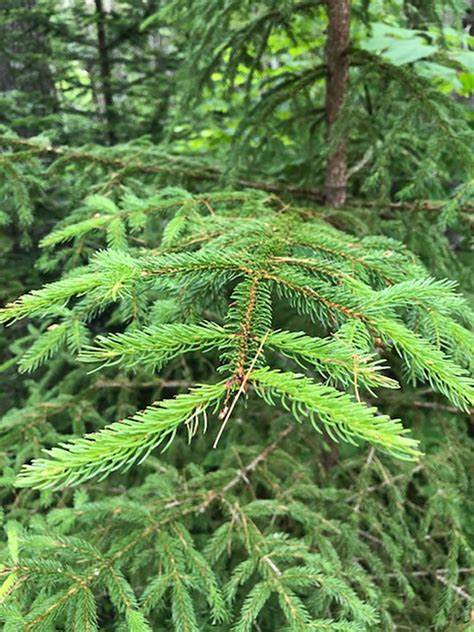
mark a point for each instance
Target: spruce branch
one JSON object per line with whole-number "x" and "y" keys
{"x": 342, "y": 417}
{"x": 121, "y": 444}
{"x": 43, "y": 301}
{"x": 67, "y": 155}
{"x": 108, "y": 277}
{"x": 363, "y": 297}
{"x": 332, "y": 359}
{"x": 45, "y": 346}
{"x": 427, "y": 363}
{"x": 155, "y": 345}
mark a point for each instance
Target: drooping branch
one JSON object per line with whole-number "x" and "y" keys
{"x": 336, "y": 88}
{"x": 125, "y": 166}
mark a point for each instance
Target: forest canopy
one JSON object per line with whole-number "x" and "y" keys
{"x": 236, "y": 326}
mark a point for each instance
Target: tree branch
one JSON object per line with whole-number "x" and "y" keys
{"x": 213, "y": 174}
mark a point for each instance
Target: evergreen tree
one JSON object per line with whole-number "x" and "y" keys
{"x": 238, "y": 395}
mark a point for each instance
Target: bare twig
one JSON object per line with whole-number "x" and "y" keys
{"x": 442, "y": 407}
{"x": 459, "y": 591}
{"x": 240, "y": 391}
{"x": 258, "y": 460}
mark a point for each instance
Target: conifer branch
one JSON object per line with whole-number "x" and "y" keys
{"x": 331, "y": 359}
{"x": 121, "y": 444}
{"x": 213, "y": 174}
{"x": 155, "y": 345}
{"x": 341, "y": 416}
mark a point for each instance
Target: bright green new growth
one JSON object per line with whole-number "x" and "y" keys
{"x": 341, "y": 415}
{"x": 123, "y": 443}
{"x": 224, "y": 272}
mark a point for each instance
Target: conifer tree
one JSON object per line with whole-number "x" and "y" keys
{"x": 209, "y": 318}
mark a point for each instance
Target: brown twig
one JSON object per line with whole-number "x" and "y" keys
{"x": 258, "y": 460}
{"x": 212, "y": 174}
{"x": 240, "y": 391}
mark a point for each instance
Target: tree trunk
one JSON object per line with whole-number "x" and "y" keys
{"x": 105, "y": 73}
{"x": 339, "y": 12}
